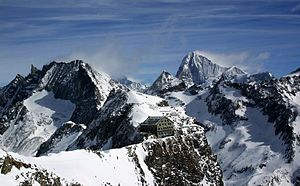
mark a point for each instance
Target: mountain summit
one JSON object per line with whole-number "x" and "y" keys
{"x": 166, "y": 82}
{"x": 196, "y": 68}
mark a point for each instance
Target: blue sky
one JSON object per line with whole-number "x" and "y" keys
{"x": 141, "y": 38}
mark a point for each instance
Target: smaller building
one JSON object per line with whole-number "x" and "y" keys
{"x": 161, "y": 126}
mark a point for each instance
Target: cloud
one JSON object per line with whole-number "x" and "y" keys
{"x": 244, "y": 60}
{"x": 110, "y": 59}
{"x": 263, "y": 56}
{"x": 80, "y": 17}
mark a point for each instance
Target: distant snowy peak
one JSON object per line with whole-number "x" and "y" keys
{"x": 132, "y": 84}
{"x": 262, "y": 76}
{"x": 232, "y": 72}
{"x": 166, "y": 82}
{"x": 196, "y": 68}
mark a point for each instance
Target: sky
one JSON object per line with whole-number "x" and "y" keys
{"x": 140, "y": 38}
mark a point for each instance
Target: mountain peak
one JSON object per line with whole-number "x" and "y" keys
{"x": 196, "y": 68}
{"x": 131, "y": 84}
{"x": 165, "y": 81}
{"x": 232, "y": 72}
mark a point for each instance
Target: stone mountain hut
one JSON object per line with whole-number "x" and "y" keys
{"x": 161, "y": 126}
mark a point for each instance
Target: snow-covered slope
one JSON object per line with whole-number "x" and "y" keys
{"x": 121, "y": 155}
{"x": 44, "y": 114}
{"x": 196, "y": 68}
{"x": 153, "y": 162}
{"x": 252, "y": 125}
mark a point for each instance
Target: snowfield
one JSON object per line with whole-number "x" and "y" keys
{"x": 44, "y": 115}
{"x": 248, "y": 151}
{"x": 114, "y": 167}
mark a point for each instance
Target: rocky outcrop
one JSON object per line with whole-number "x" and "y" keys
{"x": 186, "y": 155}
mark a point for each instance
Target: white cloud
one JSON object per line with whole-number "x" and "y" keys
{"x": 110, "y": 59}
{"x": 263, "y": 56}
{"x": 244, "y": 60}
{"x": 80, "y": 17}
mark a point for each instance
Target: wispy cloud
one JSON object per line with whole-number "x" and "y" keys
{"x": 263, "y": 56}
{"x": 149, "y": 36}
{"x": 110, "y": 59}
{"x": 79, "y": 17}
{"x": 249, "y": 62}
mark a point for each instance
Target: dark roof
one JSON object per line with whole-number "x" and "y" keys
{"x": 152, "y": 120}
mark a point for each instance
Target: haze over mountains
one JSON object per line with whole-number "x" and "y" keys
{"x": 69, "y": 124}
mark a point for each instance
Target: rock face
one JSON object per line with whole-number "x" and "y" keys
{"x": 196, "y": 161}
{"x": 78, "y": 82}
{"x": 196, "y": 68}
{"x": 112, "y": 127}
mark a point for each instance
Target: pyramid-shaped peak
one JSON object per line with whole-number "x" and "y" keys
{"x": 196, "y": 68}
{"x": 164, "y": 81}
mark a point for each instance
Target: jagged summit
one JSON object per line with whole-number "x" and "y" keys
{"x": 232, "y": 72}
{"x": 166, "y": 82}
{"x": 195, "y": 68}
{"x": 131, "y": 84}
